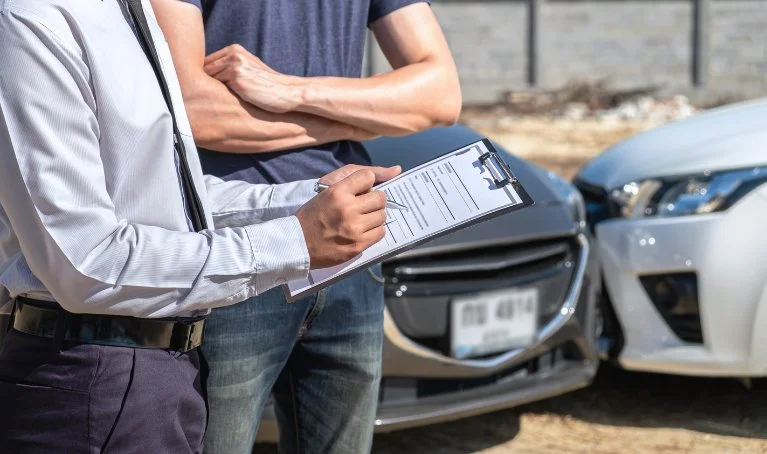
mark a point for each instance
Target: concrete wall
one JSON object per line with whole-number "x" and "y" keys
{"x": 739, "y": 47}
{"x": 704, "y": 48}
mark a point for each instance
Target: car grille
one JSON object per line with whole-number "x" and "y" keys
{"x": 419, "y": 290}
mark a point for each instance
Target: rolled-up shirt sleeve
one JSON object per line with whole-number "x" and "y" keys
{"x": 53, "y": 191}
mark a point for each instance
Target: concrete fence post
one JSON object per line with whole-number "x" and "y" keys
{"x": 534, "y": 35}
{"x": 701, "y": 35}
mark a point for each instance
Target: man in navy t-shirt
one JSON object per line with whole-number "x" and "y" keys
{"x": 279, "y": 98}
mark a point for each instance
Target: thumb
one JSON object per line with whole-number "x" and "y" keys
{"x": 386, "y": 173}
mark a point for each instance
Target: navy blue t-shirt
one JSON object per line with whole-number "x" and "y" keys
{"x": 301, "y": 38}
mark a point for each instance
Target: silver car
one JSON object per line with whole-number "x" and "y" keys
{"x": 679, "y": 215}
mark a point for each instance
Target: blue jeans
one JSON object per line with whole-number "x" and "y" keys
{"x": 320, "y": 357}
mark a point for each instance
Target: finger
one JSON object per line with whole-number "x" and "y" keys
{"x": 371, "y": 202}
{"x": 372, "y": 220}
{"x": 214, "y": 67}
{"x": 339, "y": 174}
{"x": 386, "y": 173}
{"x": 359, "y": 182}
{"x": 373, "y": 236}
{"x": 221, "y": 53}
{"x": 227, "y": 75}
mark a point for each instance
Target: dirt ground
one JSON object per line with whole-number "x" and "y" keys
{"x": 622, "y": 412}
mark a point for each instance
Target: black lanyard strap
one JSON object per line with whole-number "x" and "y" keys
{"x": 194, "y": 205}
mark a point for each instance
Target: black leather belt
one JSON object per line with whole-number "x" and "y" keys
{"x": 44, "y": 319}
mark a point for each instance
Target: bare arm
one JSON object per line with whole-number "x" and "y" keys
{"x": 422, "y": 90}
{"x": 220, "y": 120}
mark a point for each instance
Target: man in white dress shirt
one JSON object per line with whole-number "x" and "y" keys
{"x": 107, "y": 242}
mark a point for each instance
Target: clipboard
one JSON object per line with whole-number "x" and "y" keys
{"x": 500, "y": 177}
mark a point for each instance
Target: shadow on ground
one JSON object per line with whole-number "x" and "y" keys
{"x": 458, "y": 437}
{"x": 448, "y": 438}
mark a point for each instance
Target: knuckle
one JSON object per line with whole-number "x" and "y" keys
{"x": 369, "y": 175}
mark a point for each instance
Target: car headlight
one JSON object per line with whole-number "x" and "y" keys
{"x": 700, "y": 194}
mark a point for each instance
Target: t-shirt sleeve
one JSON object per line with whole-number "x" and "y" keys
{"x": 197, "y": 3}
{"x": 381, "y": 8}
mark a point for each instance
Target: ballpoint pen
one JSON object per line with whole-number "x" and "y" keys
{"x": 318, "y": 187}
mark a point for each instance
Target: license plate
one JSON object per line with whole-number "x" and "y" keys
{"x": 492, "y": 322}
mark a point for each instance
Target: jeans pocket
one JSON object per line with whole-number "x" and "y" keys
{"x": 376, "y": 274}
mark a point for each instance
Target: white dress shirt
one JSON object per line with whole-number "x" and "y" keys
{"x": 91, "y": 208}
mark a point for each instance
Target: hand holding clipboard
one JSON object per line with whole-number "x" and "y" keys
{"x": 458, "y": 189}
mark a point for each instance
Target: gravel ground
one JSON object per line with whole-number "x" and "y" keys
{"x": 622, "y": 412}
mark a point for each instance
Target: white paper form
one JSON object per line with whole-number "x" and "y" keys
{"x": 441, "y": 194}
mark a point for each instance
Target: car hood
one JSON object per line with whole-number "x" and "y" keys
{"x": 549, "y": 217}
{"x": 413, "y": 150}
{"x": 725, "y": 138}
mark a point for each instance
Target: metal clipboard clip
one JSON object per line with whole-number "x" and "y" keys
{"x": 498, "y": 169}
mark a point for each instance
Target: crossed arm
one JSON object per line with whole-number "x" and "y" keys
{"x": 238, "y": 104}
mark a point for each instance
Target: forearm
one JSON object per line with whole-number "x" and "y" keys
{"x": 238, "y": 204}
{"x": 222, "y": 122}
{"x": 409, "y": 99}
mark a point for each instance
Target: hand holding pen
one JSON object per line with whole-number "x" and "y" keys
{"x": 391, "y": 204}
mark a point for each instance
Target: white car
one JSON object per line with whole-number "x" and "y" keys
{"x": 680, "y": 219}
